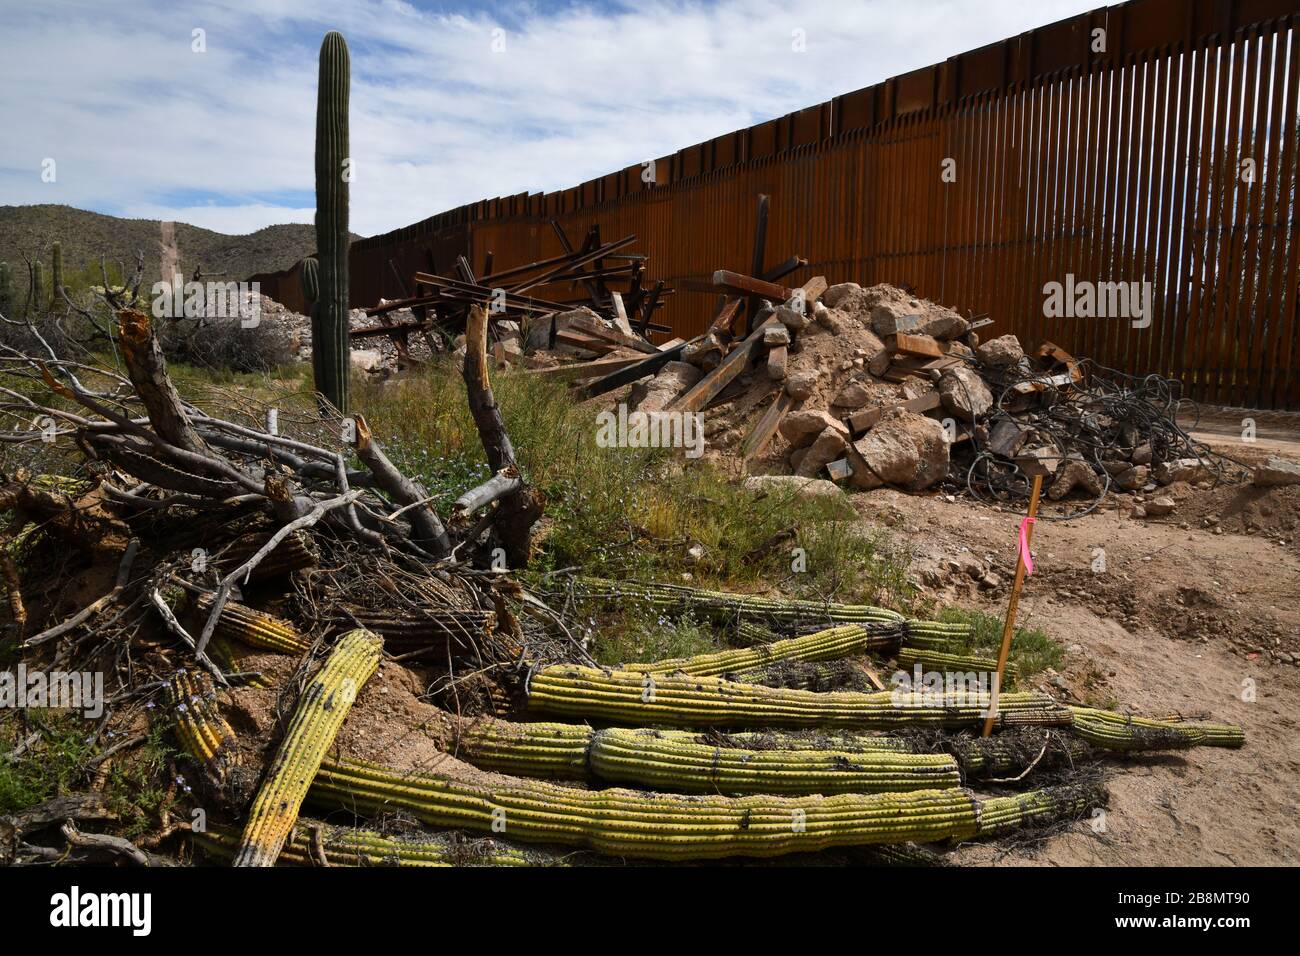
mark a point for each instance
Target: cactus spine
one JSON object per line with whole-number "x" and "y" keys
{"x": 56, "y": 273}
{"x": 330, "y": 349}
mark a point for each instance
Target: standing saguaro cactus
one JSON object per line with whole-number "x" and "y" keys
{"x": 38, "y": 287}
{"x": 329, "y": 331}
{"x": 56, "y": 273}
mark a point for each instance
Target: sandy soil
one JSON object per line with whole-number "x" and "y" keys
{"x": 1185, "y": 618}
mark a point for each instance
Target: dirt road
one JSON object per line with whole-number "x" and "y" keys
{"x": 1197, "y": 613}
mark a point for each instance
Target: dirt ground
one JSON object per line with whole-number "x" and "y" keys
{"x": 1196, "y": 613}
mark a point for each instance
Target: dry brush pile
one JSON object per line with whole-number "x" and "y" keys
{"x": 312, "y": 632}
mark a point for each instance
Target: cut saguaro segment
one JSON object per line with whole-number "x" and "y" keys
{"x": 932, "y": 660}
{"x": 316, "y": 843}
{"x": 818, "y": 646}
{"x": 678, "y": 762}
{"x": 201, "y": 730}
{"x": 729, "y": 607}
{"x": 1115, "y": 731}
{"x": 322, "y": 708}
{"x": 639, "y": 699}
{"x": 331, "y": 353}
{"x": 634, "y": 824}
{"x": 255, "y": 628}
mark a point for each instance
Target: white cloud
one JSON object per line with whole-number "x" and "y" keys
{"x": 140, "y": 125}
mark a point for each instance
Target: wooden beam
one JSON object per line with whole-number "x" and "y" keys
{"x": 594, "y": 368}
{"x": 761, "y": 434}
{"x": 922, "y": 345}
{"x": 737, "y": 359}
{"x": 868, "y": 417}
{"x": 627, "y": 374}
{"x": 598, "y": 329}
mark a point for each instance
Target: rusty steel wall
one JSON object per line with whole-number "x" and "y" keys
{"x": 1115, "y": 165}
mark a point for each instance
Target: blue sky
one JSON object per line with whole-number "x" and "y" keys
{"x": 450, "y": 102}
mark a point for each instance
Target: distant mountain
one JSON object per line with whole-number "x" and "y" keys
{"x": 26, "y": 232}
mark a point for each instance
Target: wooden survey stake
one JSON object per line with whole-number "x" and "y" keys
{"x": 1026, "y": 536}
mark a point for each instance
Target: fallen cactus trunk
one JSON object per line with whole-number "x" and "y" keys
{"x": 647, "y": 700}
{"x": 676, "y": 827}
{"x": 1114, "y": 731}
{"x": 321, "y": 710}
{"x": 819, "y": 646}
{"x": 678, "y": 762}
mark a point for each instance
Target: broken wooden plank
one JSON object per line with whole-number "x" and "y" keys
{"x": 626, "y": 374}
{"x": 734, "y": 283}
{"x": 923, "y": 346}
{"x": 581, "y": 340}
{"x": 726, "y": 317}
{"x": 620, "y": 314}
{"x": 776, "y": 359}
{"x": 715, "y": 381}
{"x": 868, "y": 417}
{"x": 594, "y": 327}
{"x": 761, "y": 434}
{"x": 596, "y": 367}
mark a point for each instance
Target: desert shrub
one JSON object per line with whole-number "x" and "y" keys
{"x": 225, "y": 344}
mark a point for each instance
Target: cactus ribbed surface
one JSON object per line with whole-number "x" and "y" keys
{"x": 910, "y": 657}
{"x": 647, "y": 700}
{"x": 329, "y": 345}
{"x": 255, "y": 628}
{"x": 678, "y": 762}
{"x": 1113, "y": 731}
{"x": 818, "y": 646}
{"x": 725, "y": 606}
{"x": 203, "y": 733}
{"x": 345, "y": 846}
{"x": 309, "y": 280}
{"x": 321, "y": 710}
{"x": 680, "y": 827}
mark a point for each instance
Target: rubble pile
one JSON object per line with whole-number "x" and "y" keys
{"x": 871, "y": 387}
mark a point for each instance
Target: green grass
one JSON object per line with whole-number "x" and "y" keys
{"x": 55, "y": 765}
{"x": 1032, "y": 650}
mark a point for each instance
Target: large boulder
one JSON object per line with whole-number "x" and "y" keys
{"x": 801, "y": 384}
{"x": 539, "y": 330}
{"x": 793, "y": 484}
{"x": 903, "y": 449}
{"x": 887, "y": 318}
{"x": 1277, "y": 471}
{"x": 1075, "y": 476}
{"x": 828, "y": 446}
{"x": 653, "y": 395}
{"x": 1001, "y": 352}
{"x": 943, "y": 324}
{"x": 964, "y": 394}
{"x": 802, "y": 428}
{"x": 843, "y": 295}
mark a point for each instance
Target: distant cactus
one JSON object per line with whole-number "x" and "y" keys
{"x": 56, "y": 273}
{"x": 330, "y": 348}
{"x": 6, "y": 291}
{"x": 38, "y": 286}
{"x": 309, "y": 279}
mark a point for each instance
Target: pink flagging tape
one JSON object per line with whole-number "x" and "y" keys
{"x": 1025, "y": 556}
